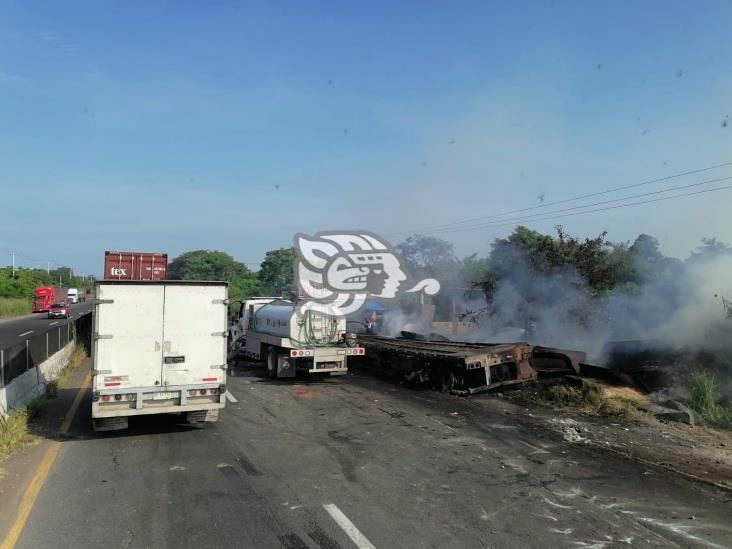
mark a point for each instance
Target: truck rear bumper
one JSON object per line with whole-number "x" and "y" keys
{"x": 141, "y": 401}
{"x": 323, "y": 368}
{"x": 103, "y": 411}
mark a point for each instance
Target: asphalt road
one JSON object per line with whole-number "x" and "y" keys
{"x": 17, "y": 329}
{"x": 359, "y": 462}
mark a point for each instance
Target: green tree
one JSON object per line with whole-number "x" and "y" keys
{"x": 277, "y": 272}
{"x": 476, "y": 273}
{"x": 647, "y": 248}
{"x": 710, "y": 248}
{"x": 526, "y": 253}
{"x": 215, "y": 265}
{"x": 427, "y": 254}
{"x": 27, "y": 280}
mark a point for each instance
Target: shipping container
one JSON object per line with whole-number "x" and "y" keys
{"x": 135, "y": 266}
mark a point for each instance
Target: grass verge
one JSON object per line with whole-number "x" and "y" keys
{"x": 14, "y": 429}
{"x": 706, "y": 401}
{"x": 79, "y": 355}
{"x": 14, "y": 306}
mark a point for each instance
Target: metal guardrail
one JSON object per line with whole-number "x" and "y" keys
{"x": 25, "y": 355}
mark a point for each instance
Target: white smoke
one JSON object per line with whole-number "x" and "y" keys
{"x": 558, "y": 309}
{"x": 700, "y": 319}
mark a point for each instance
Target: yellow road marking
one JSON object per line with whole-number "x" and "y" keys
{"x": 36, "y": 483}
{"x": 31, "y": 493}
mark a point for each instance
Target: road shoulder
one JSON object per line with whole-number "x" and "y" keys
{"x": 19, "y": 469}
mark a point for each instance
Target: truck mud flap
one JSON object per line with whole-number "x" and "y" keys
{"x": 110, "y": 424}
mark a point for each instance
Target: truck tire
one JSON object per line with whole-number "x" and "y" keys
{"x": 272, "y": 363}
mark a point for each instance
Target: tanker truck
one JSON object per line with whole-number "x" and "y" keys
{"x": 274, "y": 330}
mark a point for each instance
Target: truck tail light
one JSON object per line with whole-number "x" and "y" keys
{"x": 192, "y": 393}
{"x": 105, "y": 398}
{"x": 117, "y": 397}
{"x": 293, "y": 353}
{"x": 131, "y": 396}
{"x": 202, "y": 391}
{"x": 213, "y": 391}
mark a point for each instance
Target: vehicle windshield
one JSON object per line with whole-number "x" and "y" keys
{"x": 57, "y": 306}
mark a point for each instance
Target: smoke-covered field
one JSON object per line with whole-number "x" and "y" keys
{"x": 561, "y": 312}
{"x": 575, "y": 294}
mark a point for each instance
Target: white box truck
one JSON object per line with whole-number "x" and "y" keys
{"x": 73, "y": 295}
{"x": 158, "y": 347}
{"x": 272, "y": 329}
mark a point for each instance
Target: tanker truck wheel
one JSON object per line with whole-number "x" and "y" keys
{"x": 272, "y": 363}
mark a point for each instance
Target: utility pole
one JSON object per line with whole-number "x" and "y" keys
{"x": 13, "y": 254}
{"x": 48, "y": 267}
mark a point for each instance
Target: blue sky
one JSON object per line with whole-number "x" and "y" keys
{"x": 227, "y": 125}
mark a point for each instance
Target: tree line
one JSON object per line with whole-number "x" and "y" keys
{"x": 600, "y": 265}
{"x": 275, "y": 275}
{"x": 23, "y": 283}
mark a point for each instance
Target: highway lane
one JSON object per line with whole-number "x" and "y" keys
{"x": 359, "y": 462}
{"x": 15, "y": 330}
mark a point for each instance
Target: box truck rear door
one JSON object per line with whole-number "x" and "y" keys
{"x": 129, "y": 327}
{"x": 194, "y": 348}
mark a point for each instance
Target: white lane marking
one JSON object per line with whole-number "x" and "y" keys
{"x": 348, "y": 527}
{"x": 230, "y": 397}
{"x": 52, "y": 323}
{"x": 25, "y": 333}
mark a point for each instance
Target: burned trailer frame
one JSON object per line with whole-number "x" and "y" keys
{"x": 468, "y": 368}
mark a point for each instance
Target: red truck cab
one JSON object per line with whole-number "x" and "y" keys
{"x": 46, "y": 296}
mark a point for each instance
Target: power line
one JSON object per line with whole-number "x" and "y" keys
{"x": 564, "y": 201}
{"x": 47, "y": 261}
{"x": 529, "y": 217}
{"x": 663, "y": 198}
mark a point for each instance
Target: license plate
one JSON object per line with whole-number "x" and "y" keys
{"x": 163, "y": 396}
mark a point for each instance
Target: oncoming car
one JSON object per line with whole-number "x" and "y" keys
{"x": 59, "y": 310}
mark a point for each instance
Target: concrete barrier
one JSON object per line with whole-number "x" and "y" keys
{"x": 32, "y": 384}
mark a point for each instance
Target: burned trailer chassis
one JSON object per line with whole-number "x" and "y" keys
{"x": 467, "y": 368}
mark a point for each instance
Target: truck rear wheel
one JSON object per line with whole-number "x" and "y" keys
{"x": 272, "y": 362}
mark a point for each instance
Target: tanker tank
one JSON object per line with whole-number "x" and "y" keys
{"x": 281, "y": 319}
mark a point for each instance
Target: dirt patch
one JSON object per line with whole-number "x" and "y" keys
{"x": 608, "y": 418}
{"x": 582, "y": 397}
